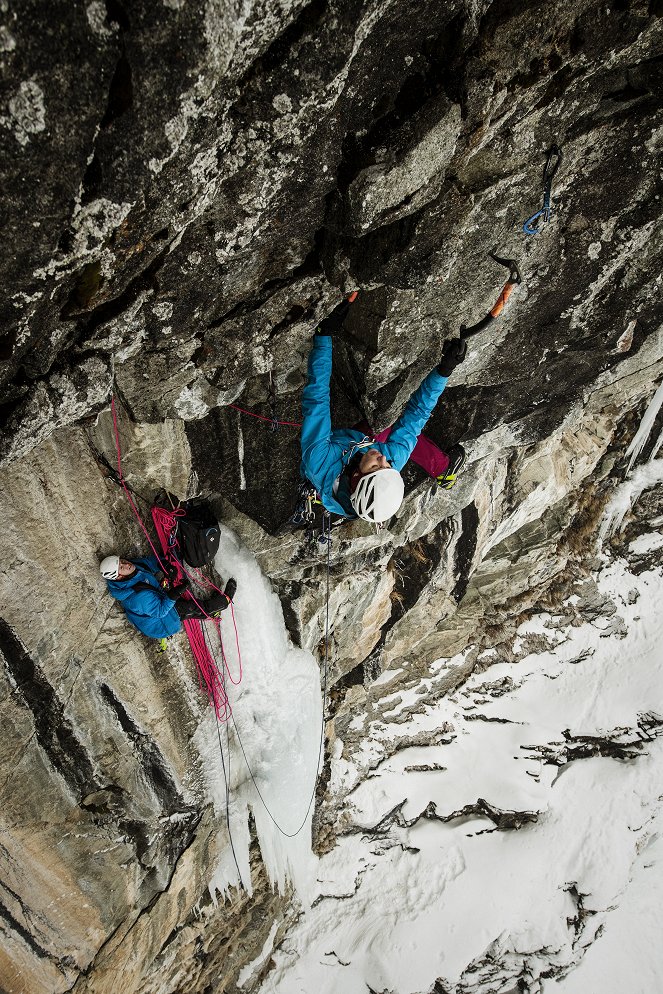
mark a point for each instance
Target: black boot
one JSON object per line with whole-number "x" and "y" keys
{"x": 219, "y": 602}
{"x": 456, "y": 462}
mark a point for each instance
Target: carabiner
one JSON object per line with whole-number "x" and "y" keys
{"x": 529, "y": 227}
{"x": 549, "y": 172}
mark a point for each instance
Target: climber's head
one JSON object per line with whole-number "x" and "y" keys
{"x": 376, "y": 489}
{"x": 114, "y": 568}
{"x": 372, "y": 460}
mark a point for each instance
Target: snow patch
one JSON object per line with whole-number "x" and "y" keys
{"x": 646, "y": 543}
{"x": 421, "y": 899}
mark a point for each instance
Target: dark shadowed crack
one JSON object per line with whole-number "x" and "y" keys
{"x": 465, "y": 549}
{"x": 53, "y": 730}
{"x": 154, "y": 763}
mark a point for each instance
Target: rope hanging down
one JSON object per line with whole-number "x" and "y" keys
{"x": 165, "y": 522}
{"x": 210, "y": 677}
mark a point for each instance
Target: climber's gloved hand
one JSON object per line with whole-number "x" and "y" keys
{"x": 169, "y": 570}
{"x": 333, "y": 323}
{"x": 177, "y": 591}
{"x": 454, "y": 351}
{"x": 230, "y": 588}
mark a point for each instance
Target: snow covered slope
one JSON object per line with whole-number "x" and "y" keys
{"x": 500, "y": 851}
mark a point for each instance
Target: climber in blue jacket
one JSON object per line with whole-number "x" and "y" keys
{"x": 154, "y": 605}
{"x": 354, "y": 475}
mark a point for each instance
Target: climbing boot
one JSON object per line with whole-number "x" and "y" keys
{"x": 456, "y": 462}
{"x": 219, "y": 602}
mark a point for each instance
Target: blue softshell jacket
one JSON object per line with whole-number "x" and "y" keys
{"x": 325, "y": 453}
{"x": 150, "y": 611}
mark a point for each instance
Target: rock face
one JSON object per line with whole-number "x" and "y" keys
{"x": 187, "y": 189}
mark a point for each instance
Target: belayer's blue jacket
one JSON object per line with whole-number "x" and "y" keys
{"x": 325, "y": 453}
{"x": 150, "y": 611}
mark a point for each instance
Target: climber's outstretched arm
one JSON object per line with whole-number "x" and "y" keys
{"x": 421, "y": 404}
{"x": 409, "y": 426}
{"x": 316, "y": 426}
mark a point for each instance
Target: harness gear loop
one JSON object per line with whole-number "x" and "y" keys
{"x": 530, "y": 227}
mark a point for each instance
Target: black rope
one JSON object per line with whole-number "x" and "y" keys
{"x": 112, "y": 474}
{"x": 292, "y": 835}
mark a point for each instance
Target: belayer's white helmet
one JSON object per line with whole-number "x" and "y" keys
{"x": 110, "y": 567}
{"x": 378, "y": 495}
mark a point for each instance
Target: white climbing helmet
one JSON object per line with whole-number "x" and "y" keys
{"x": 110, "y": 567}
{"x": 378, "y": 495}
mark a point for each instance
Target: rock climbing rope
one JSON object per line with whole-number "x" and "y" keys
{"x": 165, "y": 523}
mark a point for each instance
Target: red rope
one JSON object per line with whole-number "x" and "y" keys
{"x": 124, "y": 485}
{"x": 165, "y": 522}
{"x": 261, "y": 417}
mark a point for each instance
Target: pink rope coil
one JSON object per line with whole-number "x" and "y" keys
{"x": 210, "y": 678}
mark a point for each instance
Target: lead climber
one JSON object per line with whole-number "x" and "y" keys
{"x": 153, "y": 603}
{"x": 356, "y": 475}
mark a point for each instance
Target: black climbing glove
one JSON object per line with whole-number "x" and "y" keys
{"x": 230, "y": 588}
{"x": 453, "y": 352}
{"x": 333, "y": 323}
{"x": 177, "y": 591}
{"x": 169, "y": 570}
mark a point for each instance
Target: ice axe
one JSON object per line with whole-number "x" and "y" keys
{"x": 505, "y": 293}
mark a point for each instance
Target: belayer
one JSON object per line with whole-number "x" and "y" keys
{"x": 153, "y": 603}
{"x": 356, "y": 475}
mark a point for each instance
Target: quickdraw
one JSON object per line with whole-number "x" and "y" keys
{"x": 531, "y": 227}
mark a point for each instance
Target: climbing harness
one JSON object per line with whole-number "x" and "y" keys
{"x": 506, "y": 291}
{"x": 531, "y": 226}
{"x": 307, "y": 499}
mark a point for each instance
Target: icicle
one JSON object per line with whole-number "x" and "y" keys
{"x": 646, "y": 425}
{"x": 625, "y": 496}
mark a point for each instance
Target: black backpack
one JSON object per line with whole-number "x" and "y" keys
{"x": 198, "y": 532}
{"x": 197, "y": 529}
